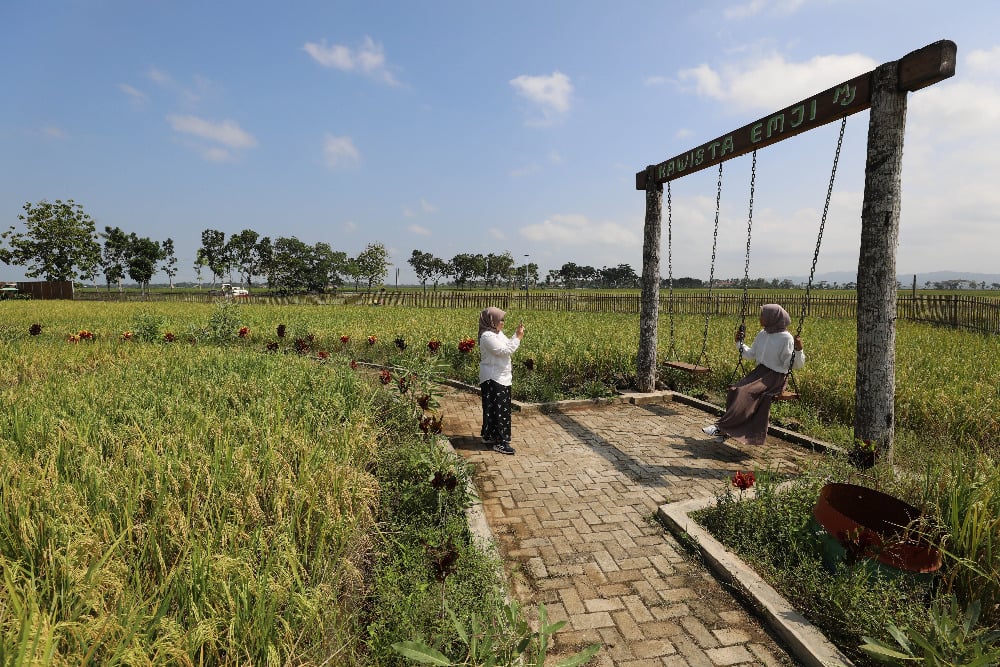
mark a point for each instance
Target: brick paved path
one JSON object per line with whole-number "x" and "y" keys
{"x": 573, "y": 510}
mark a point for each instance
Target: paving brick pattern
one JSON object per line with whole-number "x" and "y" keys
{"x": 573, "y": 512}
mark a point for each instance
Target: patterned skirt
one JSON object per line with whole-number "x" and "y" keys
{"x": 496, "y": 411}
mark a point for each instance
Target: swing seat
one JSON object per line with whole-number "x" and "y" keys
{"x": 786, "y": 396}
{"x": 686, "y": 367}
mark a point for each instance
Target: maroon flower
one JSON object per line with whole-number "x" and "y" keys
{"x": 244, "y": 332}
{"x": 272, "y": 346}
{"x": 743, "y": 480}
{"x": 35, "y": 329}
{"x": 354, "y": 365}
{"x": 385, "y": 377}
{"x": 281, "y": 330}
{"x": 169, "y": 337}
{"x": 465, "y": 345}
{"x": 529, "y": 364}
{"x": 400, "y": 343}
{"x": 323, "y": 355}
{"x": 345, "y": 339}
{"x": 433, "y": 344}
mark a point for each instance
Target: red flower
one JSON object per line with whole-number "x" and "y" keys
{"x": 272, "y": 347}
{"x": 244, "y": 332}
{"x": 169, "y": 337}
{"x": 354, "y": 365}
{"x": 372, "y": 340}
{"x": 127, "y": 335}
{"x": 433, "y": 344}
{"x": 743, "y": 480}
{"x": 344, "y": 339}
{"x": 466, "y": 344}
{"x": 322, "y": 354}
{"x": 73, "y": 338}
{"x": 385, "y": 377}
{"x": 281, "y": 331}
{"x": 85, "y": 335}
{"x": 35, "y": 329}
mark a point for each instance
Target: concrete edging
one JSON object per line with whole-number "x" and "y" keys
{"x": 800, "y": 636}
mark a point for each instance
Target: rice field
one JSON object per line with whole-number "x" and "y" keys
{"x": 179, "y": 487}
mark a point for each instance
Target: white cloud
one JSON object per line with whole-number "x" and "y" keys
{"x": 524, "y": 171}
{"x": 368, "y": 59}
{"x": 551, "y": 95}
{"x": 340, "y": 151}
{"x": 753, "y": 7}
{"x": 417, "y": 229}
{"x": 578, "y": 230}
{"x": 983, "y": 62}
{"x": 216, "y": 154}
{"x": 189, "y": 95}
{"x": 770, "y": 82}
{"x": 136, "y": 97}
{"x": 54, "y": 132}
{"x": 228, "y": 132}
{"x": 498, "y": 234}
{"x": 350, "y": 226}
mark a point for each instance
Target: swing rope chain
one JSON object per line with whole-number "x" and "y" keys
{"x": 711, "y": 273}
{"x": 746, "y": 278}
{"x": 819, "y": 241}
{"x": 670, "y": 273}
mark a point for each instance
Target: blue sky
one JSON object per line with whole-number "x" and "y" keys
{"x": 491, "y": 127}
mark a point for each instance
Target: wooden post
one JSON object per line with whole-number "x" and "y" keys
{"x": 649, "y": 308}
{"x": 874, "y": 414}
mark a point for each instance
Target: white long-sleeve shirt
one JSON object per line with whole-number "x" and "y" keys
{"x": 495, "y": 351}
{"x": 774, "y": 350}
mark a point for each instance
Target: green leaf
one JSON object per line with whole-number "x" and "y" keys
{"x": 883, "y": 653}
{"x": 580, "y": 658}
{"x": 421, "y": 653}
{"x": 459, "y": 628}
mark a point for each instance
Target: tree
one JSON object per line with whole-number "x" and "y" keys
{"x": 292, "y": 265}
{"x": 169, "y": 260}
{"x": 212, "y": 253}
{"x": 373, "y": 263}
{"x": 327, "y": 265}
{"x": 114, "y": 257}
{"x": 242, "y": 251}
{"x": 439, "y": 269}
{"x": 144, "y": 253}
{"x": 59, "y": 242}
{"x": 463, "y": 268}
{"x": 423, "y": 266}
{"x": 265, "y": 255}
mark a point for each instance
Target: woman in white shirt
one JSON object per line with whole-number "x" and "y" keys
{"x": 748, "y": 402}
{"x": 496, "y": 376}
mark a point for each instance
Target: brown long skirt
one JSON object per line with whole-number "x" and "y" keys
{"x": 748, "y": 405}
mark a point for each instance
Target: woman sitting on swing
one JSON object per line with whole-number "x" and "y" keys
{"x": 748, "y": 402}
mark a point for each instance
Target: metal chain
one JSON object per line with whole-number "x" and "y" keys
{"x": 671, "y": 353}
{"x": 711, "y": 273}
{"x": 819, "y": 241}
{"x": 742, "y": 331}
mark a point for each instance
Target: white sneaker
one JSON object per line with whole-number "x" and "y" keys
{"x": 712, "y": 430}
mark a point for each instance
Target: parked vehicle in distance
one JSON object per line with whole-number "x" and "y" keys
{"x": 229, "y": 290}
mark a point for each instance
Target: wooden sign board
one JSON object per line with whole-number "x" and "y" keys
{"x": 918, "y": 69}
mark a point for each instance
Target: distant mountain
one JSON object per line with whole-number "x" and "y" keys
{"x": 843, "y": 277}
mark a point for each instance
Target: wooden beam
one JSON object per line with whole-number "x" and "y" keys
{"x": 924, "y": 67}
{"x": 918, "y": 69}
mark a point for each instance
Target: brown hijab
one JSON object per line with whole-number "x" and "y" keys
{"x": 489, "y": 320}
{"x": 774, "y": 318}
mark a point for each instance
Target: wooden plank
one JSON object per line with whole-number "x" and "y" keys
{"x": 917, "y": 69}
{"x": 832, "y": 104}
{"x": 689, "y": 368}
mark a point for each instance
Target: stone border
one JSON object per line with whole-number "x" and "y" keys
{"x": 800, "y": 636}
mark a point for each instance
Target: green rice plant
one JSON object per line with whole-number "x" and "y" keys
{"x": 966, "y": 496}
